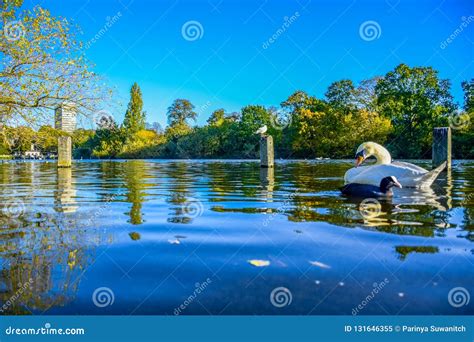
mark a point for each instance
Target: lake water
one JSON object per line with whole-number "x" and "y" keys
{"x": 226, "y": 237}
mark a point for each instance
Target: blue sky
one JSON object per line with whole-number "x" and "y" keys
{"x": 228, "y": 65}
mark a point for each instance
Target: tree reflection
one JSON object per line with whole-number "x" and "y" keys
{"x": 403, "y": 251}
{"x": 43, "y": 254}
{"x": 134, "y": 176}
{"x": 179, "y": 191}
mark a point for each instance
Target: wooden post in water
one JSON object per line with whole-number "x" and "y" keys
{"x": 441, "y": 147}
{"x": 267, "y": 154}
{"x": 64, "y": 151}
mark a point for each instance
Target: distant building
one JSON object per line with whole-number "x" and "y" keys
{"x": 65, "y": 117}
{"x": 33, "y": 153}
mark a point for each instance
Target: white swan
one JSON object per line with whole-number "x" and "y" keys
{"x": 409, "y": 175}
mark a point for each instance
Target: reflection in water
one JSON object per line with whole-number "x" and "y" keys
{"x": 65, "y": 193}
{"x": 267, "y": 180}
{"x": 134, "y": 177}
{"x": 145, "y": 214}
{"x": 405, "y": 250}
{"x": 183, "y": 206}
{"x": 43, "y": 251}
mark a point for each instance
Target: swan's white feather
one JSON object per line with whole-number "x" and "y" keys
{"x": 410, "y": 166}
{"x": 409, "y": 175}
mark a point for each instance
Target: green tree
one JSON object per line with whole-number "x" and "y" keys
{"x": 300, "y": 100}
{"x": 217, "y": 117}
{"x": 365, "y": 96}
{"x": 463, "y": 137}
{"x": 43, "y": 65}
{"x": 253, "y": 117}
{"x": 180, "y": 111}
{"x": 47, "y": 138}
{"x": 84, "y": 142}
{"x": 416, "y": 100}
{"x": 20, "y": 138}
{"x": 468, "y": 87}
{"x": 341, "y": 95}
{"x": 134, "y": 116}
{"x": 109, "y": 143}
{"x": 335, "y": 134}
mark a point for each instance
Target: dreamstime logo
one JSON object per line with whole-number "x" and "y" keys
{"x": 281, "y": 297}
{"x": 458, "y": 296}
{"x": 104, "y": 120}
{"x": 459, "y": 120}
{"x": 280, "y": 119}
{"x": 377, "y": 288}
{"x": 370, "y": 208}
{"x": 14, "y": 208}
{"x": 21, "y": 289}
{"x": 192, "y": 30}
{"x": 199, "y": 288}
{"x": 102, "y": 297}
{"x": 110, "y": 21}
{"x": 287, "y": 22}
{"x": 287, "y": 203}
{"x": 370, "y": 30}
{"x": 193, "y": 208}
{"x": 465, "y": 21}
{"x": 203, "y": 108}
{"x": 14, "y": 30}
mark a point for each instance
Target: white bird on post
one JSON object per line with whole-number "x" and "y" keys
{"x": 262, "y": 130}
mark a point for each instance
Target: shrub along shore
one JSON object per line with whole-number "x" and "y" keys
{"x": 399, "y": 110}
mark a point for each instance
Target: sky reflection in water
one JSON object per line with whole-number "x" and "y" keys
{"x": 153, "y": 232}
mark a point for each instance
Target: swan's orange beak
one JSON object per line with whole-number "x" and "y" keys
{"x": 359, "y": 160}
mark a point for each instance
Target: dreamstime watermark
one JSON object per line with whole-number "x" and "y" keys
{"x": 287, "y": 203}
{"x": 281, "y": 297}
{"x": 464, "y": 24}
{"x": 370, "y": 30}
{"x": 103, "y": 119}
{"x": 14, "y": 30}
{"x": 13, "y": 208}
{"x": 377, "y": 287}
{"x": 193, "y": 208}
{"x": 202, "y": 109}
{"x": 458, "y": 297}
{"x": 110, "y": 21}
{"x": 46, "y": 330}
{"x": 102, "y": 208}
{"x": 199, "y": 288}
{"x": 370, "y": 208}
{"x": 21, "y": 288}
{"x": 287, "y": 22}
{"x": 280, "y": 119}
{"x": 103, "y": 296}
{"x": 192, "y": 30}
{"x": 459, "y": 120}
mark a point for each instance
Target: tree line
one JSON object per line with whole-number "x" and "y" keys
{"x": 399, "y": 109}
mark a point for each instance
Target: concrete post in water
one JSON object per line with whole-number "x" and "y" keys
{"x": 441, "y": 146}
{"x": 64, "y": 151}
{"x": 266, "y": 152}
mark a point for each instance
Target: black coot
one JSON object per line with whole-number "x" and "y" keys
{"x": 366, "y": 190}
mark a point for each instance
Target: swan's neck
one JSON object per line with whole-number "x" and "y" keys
{"x": 382, "y": 155}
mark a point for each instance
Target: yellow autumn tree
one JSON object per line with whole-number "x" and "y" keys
{"x": 335, "y": 133}
{"x": 43, "y": 65}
